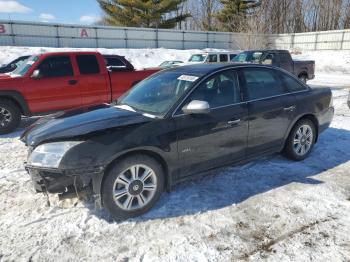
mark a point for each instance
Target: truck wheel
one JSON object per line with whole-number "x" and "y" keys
{"x": 301, "y": 140}
{"x": 132, "y": 186}
{"x": 303, "y": 78}
{"x": 10, "y": 116}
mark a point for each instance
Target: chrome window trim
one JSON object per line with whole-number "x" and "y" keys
{"x": 290, "y": 93}
{"x": 214, "y": 108}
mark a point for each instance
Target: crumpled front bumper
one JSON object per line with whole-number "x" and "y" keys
{"x": 62, "y": 181}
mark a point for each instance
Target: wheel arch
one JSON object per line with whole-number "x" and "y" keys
{"x": 309, "y": 116}
{"x": 18, "y": 99}
{"x": 120, "y": 157}
{"x": 303, "y": 72}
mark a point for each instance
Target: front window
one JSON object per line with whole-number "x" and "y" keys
{"x": 157, "y": 94}
{"x": 197, "y": 58}
{"x": 56, "y": 66}
{"x": 248, "y": 57}
{"x": 24, "y": 67}
{"x": 219, "y": 90}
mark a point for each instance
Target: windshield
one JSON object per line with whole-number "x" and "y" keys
{"x": 248, "y": 57}
{"x": 164, "y": 64}
{"x": 24, "y": 67}
{"x": 20, "y": 62}
{"x": 197, "y": 58}
{"x": 157, "y": 94}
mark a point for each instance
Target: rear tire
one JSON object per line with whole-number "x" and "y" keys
{"x": 10, "y": 116}
{"x": 301, "y": 140}
{"x": 303, "y": 78}
{"x": 132, "y": 186}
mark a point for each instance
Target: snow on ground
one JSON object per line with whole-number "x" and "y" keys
{"x": 270, "y": 209}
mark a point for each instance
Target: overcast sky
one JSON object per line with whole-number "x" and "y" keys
{"x": 60, "y": 11}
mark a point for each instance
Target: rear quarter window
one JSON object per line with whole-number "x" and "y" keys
{"x": 88, "y": 64}
{"x": 114, "y": 61}
{"x": 291, "y": 84}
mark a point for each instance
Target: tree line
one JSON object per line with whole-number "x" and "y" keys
{"x": 252, "y": 16}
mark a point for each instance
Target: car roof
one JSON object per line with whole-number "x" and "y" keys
{"x": 69, "y": 53}
{"x": 267, "y": 50}
{"x": 215, "y": 52}
{"x": 204, "y": 69}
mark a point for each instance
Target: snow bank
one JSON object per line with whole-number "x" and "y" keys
{"x": 332, "y": 62}
{"x": 140, "y": 58}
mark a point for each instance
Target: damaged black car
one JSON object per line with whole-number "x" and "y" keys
{"x": 175, "y": 124}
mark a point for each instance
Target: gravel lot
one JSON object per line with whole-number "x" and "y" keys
{"x": 270, "y": 209}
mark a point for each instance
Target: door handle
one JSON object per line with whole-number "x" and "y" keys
{"x": 72, "y": 82}
{"x": 234, "y": 122}
{"x": 291, "y": 108}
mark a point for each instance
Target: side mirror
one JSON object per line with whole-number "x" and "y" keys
{"x": 196, "y": 107}
{"x": 36, "y": 74}
{"x": 267, "y": 62}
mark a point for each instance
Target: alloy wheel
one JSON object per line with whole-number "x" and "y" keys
{"x": 5, "y": 117}
{"x": 135, "y": 187}
{"x": 303, "y": 140}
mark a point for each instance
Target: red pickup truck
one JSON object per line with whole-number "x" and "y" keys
{"x": 59, "y": 81}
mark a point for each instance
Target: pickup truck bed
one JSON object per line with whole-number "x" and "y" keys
{"x": 304, "y": 70}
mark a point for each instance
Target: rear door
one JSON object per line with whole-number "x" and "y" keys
{"x": 220, "y": 137}
{"x": 55, "y": 87}
{"x": 271, "y": 108}
{"x": 93, "y": 82}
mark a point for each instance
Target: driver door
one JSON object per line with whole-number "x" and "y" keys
{"x": 211, "y": 140}
{"x": 56, "y": 87}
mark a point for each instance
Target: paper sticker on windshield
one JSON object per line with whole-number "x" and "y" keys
{"x": 188, "y": 78}
{"x": 30, "y": 62}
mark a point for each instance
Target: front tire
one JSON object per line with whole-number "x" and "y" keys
{"x": 10, "y": 116}
{"x": 301, "y": 140}
{"x": 132, "y": 186}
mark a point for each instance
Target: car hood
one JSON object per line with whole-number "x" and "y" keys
{"x": 74, "y": 123}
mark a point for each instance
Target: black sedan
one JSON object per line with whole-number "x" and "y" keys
{"x": 175, "y": 124}
{"x": 7, "y": 68}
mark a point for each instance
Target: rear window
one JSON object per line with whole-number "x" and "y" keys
{"x": 262, "y": 83}
{"x": 88, "y": 64}
{"x": 114, "y": 61}
{"x": 292, "y": 84}
{"x": 285, "y": 57}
